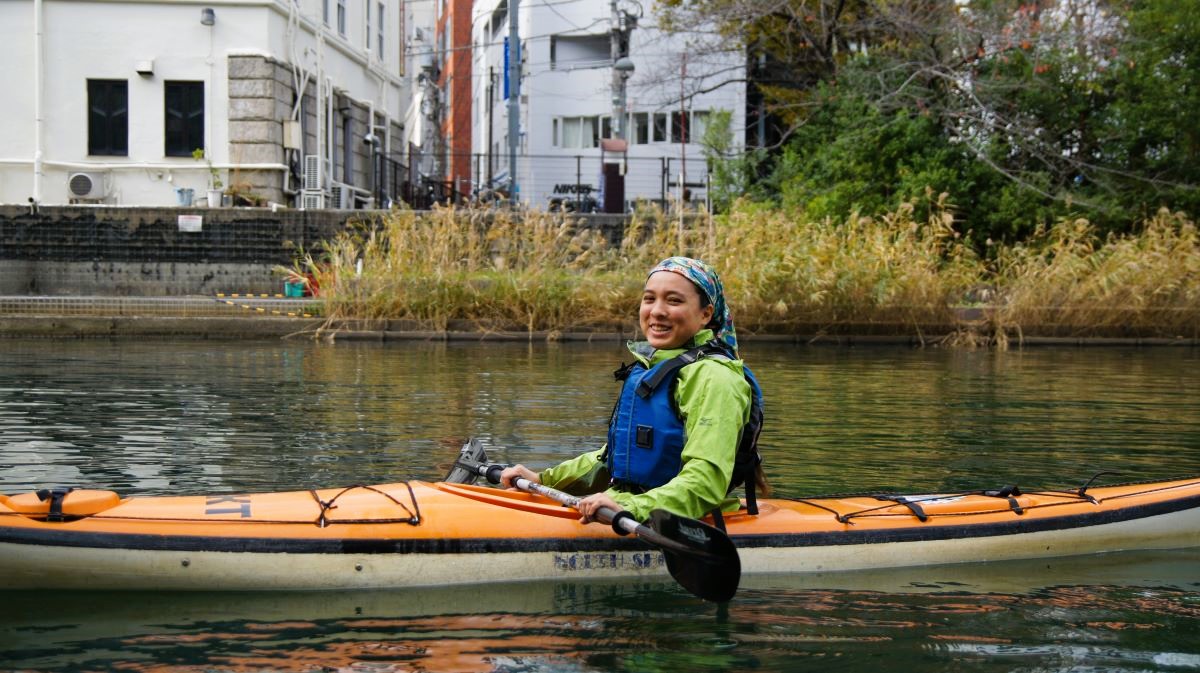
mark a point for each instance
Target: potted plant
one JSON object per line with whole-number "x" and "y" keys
{"x": 215, "y": 191}
{"x": 242, "y": 194}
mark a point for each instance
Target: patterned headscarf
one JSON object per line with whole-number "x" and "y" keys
{"x": 707, "y": 281}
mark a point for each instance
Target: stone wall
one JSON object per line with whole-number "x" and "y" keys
{"x": 84, "y": 250}
{"x": 262, "y": 95}
{"x": 260, "y": 99}
{"x": 134, "y": 252}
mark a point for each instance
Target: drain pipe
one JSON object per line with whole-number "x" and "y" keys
{"x": 37, "y": 101}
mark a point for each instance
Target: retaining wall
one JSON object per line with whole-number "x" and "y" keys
{"x": 126, "y": 251}
{"x": 99, "y": 250}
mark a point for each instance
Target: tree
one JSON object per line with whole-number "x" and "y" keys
{"x": 732, "y": 174}
{"x": 1152, "y": 128}
{"x": 1020, "y": 111}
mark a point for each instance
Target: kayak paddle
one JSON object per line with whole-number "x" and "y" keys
{"x": 700, "y": 557}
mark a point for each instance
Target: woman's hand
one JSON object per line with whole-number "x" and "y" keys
{"x": 590, "y": 505}
{"x": 509, "y": 476}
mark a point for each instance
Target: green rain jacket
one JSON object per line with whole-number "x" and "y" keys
{"x": 714, "y": 399}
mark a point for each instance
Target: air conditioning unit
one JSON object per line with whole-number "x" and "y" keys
{"x": 87, "y": 186}
{"x": 312, "y": 172}
{"x": 342, "y": 196}
{"x": 311, "y": 200}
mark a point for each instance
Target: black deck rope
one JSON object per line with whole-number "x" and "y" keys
{"x": 834, "y": 512}
{"x": 845, "y": 518}
{"x": 1149, "y": 490}
{"x": 1008, "y": 493}
{"x": 321, "y": 521}
{"x": 325, "y": 506}
{"x": 1083, "y": 489}
{"x": 912, "y": 505}
{"x": 413, "y": 518}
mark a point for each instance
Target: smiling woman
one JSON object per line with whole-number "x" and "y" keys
{"x": 684, "y": 431}
{"x": 673, "y": 310}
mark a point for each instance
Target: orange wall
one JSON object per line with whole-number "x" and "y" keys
{"x": 456, "y": 83}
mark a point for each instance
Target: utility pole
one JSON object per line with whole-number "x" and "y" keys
{"x": 618, "y": 82}
{"x": 684, "y": 128}
{"x": 514, "y": 97}
{"x": 491, "y": 103}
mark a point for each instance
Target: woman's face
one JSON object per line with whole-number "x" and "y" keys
{"x": 670, "y": 314}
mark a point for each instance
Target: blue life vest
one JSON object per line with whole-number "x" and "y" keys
{"x": 646, "y": 434}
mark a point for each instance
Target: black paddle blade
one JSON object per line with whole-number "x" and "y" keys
{"x": 713, "y": 570}
{"x": 472, "y": 453}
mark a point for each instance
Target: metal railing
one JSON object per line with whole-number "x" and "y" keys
{"x": 560, "y": 181}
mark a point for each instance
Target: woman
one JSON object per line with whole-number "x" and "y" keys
{"x": 687, "y": 409}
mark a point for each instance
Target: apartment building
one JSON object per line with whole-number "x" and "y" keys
{"x": 605, "y": 98}
{"x": 237, "y": 102}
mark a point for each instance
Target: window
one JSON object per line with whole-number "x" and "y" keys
{"x": 660, "y": 127}
{"x": 640, "y": 132}
{"x": 184, "y": 105}
{"x": 325, "y": 11}
{"x": 606, "y": 130}
{"x": 367, "y": 25}
{"x": 108, "y": 117}
{"x": 379, "y": 36}
{"x": 579, "y": 51}
{"x": 680, "y": 128}
{"x": 499, "y": 18}
{"x": 341, "y": 17}
{"x": 571, "y": 132}
{"x": 554, "y": 132}
{"x": 580, "y": 132}
{"x": 699, "y": 126}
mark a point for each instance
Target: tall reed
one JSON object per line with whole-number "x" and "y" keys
{"x": 533, "y": 271}
{"x": 1067, "y": 280}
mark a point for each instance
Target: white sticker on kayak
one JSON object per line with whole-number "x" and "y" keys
{"x": 933, "y": 499}
{"x": 589, "y": 561}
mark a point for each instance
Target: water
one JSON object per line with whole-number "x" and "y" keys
{"x": 209, "y": 417}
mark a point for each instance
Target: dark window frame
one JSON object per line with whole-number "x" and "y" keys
{"x": 108, "y": 117}
{"x": 661, "y": 127}
{"x": 183, "y": 117}
{"x": 681, "y": 127}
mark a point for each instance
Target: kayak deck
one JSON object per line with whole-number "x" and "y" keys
{"x": 417, "y": 533}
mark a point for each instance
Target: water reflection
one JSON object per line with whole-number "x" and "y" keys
{"x": 1120, "y": 610}
{"x": 198, "y": 417}
{"x": 202, "y": 417}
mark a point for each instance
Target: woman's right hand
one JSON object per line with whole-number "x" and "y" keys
{"x": 510, "y": 475}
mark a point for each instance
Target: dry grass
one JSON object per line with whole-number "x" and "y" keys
{"x": 539, "y": 272}
{"x": 1066, "y": 280}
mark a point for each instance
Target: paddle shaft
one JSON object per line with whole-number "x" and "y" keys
{"x": 700, "y": 557}
{"x": 603, "y": 514}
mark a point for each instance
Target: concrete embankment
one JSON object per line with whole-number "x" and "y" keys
{"x": 103, "y": 271}
{"x": 273, "y": 317}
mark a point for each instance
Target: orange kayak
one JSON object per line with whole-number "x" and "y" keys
{"x": 425, "y": 534}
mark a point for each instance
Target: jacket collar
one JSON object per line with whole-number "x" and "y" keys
{"x": 650, "y": 356}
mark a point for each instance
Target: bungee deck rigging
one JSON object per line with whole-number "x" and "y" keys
{"x": 419, "y": 534}
{"x": 54, "y": 509}
{"x": 924, "y": 507}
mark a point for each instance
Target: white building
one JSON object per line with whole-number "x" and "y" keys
{"x": 291, "y": 101}
{"x": 569, "y": 95}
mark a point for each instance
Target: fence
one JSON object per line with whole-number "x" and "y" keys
{"x": 568, "y": 181}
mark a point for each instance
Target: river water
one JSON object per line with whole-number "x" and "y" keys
{"x": 156, "y": 417}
